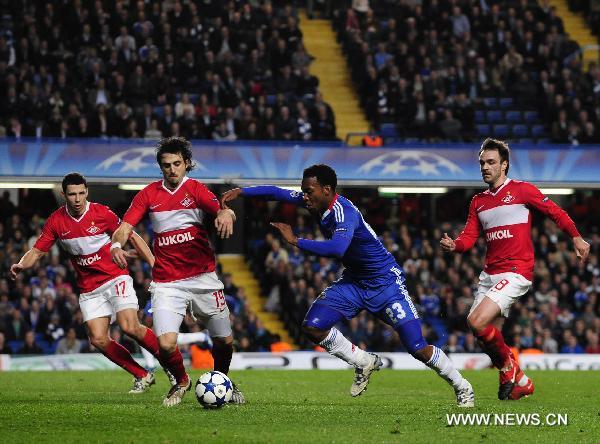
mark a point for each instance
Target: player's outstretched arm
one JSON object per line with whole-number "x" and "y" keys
{"x": 267, "y": 192}
{"x": 230, "y": 195}
{"x": 334, "y": 247}
{"x": 142, "y": 248}
{"x": 120, "y": 238}
{"x": 27, "y": 261}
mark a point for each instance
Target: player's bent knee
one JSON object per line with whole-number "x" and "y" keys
{"x": 315, "y": 334}
{"x": 100, "y": 342}
{"x": 167, "y": 344}
{"x": 475, "y": 323}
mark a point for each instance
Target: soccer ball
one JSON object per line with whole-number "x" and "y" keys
{"x": 213, "y": 389}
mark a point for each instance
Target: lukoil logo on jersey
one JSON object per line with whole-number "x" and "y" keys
{"x": 85, "y": 261}
{"x": 499, "y": 234}
{"x": 180, "y": 238}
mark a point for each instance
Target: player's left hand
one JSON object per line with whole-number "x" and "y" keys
{"x": 119, "y": 257}
{"x": 131, "y": 254}
{"x": 286, "y": 232}
{"x": 224, "y": 223}
{"x": 582, "y": 248}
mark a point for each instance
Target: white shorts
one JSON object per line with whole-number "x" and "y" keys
{"x": 203, "y": 294}
{"x": 502, "y": 288}
{"x": 108, "y": 299}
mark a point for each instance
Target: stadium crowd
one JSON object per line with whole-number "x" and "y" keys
{"x": 203, "y": 70}
{"x": 428, "y": 67}
{"x": 559, "y": 315}
{"x": 39, "y": 313}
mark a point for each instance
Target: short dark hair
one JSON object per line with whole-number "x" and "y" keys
{"x": 490, "y": 144}
{"x": 73, "y": 179}
{"x": 176, "y": 145}
{"x": 324, "y": 174}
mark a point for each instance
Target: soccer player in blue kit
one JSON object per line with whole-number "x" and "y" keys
{"x": 372, "y": 281}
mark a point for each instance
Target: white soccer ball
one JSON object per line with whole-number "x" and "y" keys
{"x": 213, "y": 389}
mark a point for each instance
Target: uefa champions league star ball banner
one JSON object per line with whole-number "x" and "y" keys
{"x": 304, "y": 361}
{"x": 246, "y": 162}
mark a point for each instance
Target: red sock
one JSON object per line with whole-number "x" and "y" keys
{"x": 493, "y": 344}
{"x": 121, "y": 356}
{"x": 174, "y": 363}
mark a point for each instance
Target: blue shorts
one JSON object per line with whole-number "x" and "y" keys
{"x": 390, "y": 303}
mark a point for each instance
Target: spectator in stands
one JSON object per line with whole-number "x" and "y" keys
{"x": 4, "y": 347}
{"x": 30, "y": 347}
{"x": 69, "y": 344}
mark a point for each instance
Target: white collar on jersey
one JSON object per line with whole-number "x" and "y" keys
{"x": 333, "y": 202}
{"x": 87, "y": 207}
{"x": 501, "y": 186}
{"x": 185, "y": 178}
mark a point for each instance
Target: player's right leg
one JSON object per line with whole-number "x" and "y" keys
{"x": 98, "y": 329}
{"x": 169, "y": 306}
{"x": 319, "y": 325}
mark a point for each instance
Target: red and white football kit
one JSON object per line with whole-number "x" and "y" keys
{"x": 504, "y": 216}
{"x": 105, "y": 288}
{"x": 183, "y": 271}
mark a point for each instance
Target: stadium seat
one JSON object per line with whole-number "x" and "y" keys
{"x": 506, "y": 102}
{"x": 483, "y": 130}
{"x": 513, "y": 116}
{"x": 538, "y": 131}
{"x": 500, "y": 130}
{"x": 388, "y": 130}
{"x": 495, "y": 116}
{"x": 480, "y": 116}
{"x": 520, "y": 131}
{"x": 490, "y": 102}
{"x": 531, "y": 116}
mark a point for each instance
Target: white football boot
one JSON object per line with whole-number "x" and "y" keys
{"x": 362, "y": 375}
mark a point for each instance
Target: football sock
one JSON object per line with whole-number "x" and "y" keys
{"x": 149, "y": 359}
{"x": 150, "y": 343}
{"x": 493, "y": 344}
{"x": 337, "y": 345}
{"x": 121, "y": 356}
{"x": 174, "y": 363}
{"x": 222, "y": 356}
{"x": 443, "y": 366}
{"x": 190, "y": 338}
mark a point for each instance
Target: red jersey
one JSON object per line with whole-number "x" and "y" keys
{"x": 87, "y": 240}
{"x": 181, "y": 246}
{"x": 504, "y": 216}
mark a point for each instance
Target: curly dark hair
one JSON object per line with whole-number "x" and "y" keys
{"x": 176, "y": 145}
{"x": 324, "y": 174}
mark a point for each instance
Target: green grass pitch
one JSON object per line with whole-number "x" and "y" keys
{"x": 289, "y": 407}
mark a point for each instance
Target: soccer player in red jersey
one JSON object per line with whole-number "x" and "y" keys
{"x": 503, "y": 213}
{"x": 184, "y": 270}
{"x": 83, "y": 229}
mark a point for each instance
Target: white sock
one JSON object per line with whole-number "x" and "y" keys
{"x": 523, "y": 381}
{"x": 337, "y": 345}
{"x": 148, "y": 358}
{"x": 443, "y": 366}
{"x": 189, "y": 338}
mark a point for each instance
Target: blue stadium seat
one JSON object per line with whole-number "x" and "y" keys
{"x": 483, "y": 130}
{"x": 520, "y": 131}
{"x": 500, "y": 130}
{"x": 513, "y": 116}
{"x": 388, "y": 130}
{"x": 531, "y": 116}
{"x": 159, "y": 111}
{"x": 538, "y": 131}
{"x": 495, "y": 116}
{"x": 480, "y": 116}
{"x": 490, "y": 102}
{"x": 15, "y": 345}
{"x": 271, "y": 99}
{"x": 506, "y": 102}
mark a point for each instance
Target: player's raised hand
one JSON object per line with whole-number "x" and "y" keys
{"x": 286, "y": 232}
{"x": 119, "y": 257}
{"x": 230, "y": 195}
{"x": 582, "y": 248}
{"x": 15, "y": 269}
{"x": 447, "y": 243}
{"x": 224, "y": 223}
